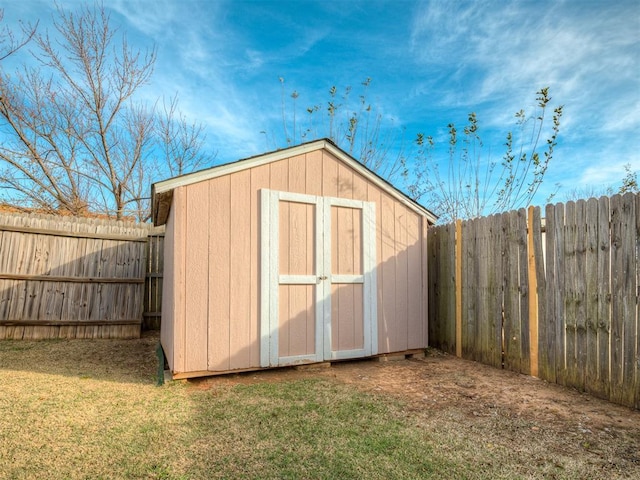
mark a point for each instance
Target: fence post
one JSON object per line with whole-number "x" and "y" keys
{"x": 458, "y": 275}
{"x": 533, "y": 296}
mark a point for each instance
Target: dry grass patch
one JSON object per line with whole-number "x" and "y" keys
{"x": 84, "y": 409}
{"x": 90, "y": 409}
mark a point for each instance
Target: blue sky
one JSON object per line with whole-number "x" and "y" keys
{"x": 430, "y": 63}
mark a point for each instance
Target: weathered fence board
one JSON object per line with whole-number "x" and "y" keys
{"x": 70, "y": 277}
{"x": 583, "y": 314}
{"x": 637, "y": 346}
{"x": 153, "y": 283}
{"x": 469, "y": 325}
{"x": 570, "y": 295}
{"x": 441, "y": 266}
{"x": 623, "y": 243}
{"x": 604, "y": 296}
{"x": 591, "y": 371}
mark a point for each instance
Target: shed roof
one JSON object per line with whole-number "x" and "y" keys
{"x": 162, "y": 192}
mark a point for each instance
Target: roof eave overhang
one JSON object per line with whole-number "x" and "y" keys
{"x": 162, "y": 192}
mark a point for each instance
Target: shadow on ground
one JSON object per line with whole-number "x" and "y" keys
{"x": 130, "y": 361}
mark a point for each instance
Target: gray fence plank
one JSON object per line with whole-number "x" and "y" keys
{"x": 588, "y": 274}
{"x": 70, "y": 277}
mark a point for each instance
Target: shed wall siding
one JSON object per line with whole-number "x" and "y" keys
{"x": 219, "y": 297}
{"x": 173, "y": 320}
{"x": 240, "y": 342}
{"x": 168, "y": 299}
{"x": 196, "y": 281}
{"x": 218, "y": 250}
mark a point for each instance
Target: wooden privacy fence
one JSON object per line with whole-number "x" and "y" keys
{"x": 69, "y": 277}
{"x": 560, "y": 303}
{"x": 153, "y": 285}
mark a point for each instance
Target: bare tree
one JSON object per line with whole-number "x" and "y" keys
{"x": 74, "y": 137}
{"x": 629, "y": 181}
{"x": 587, "y": 191}
{"x": 461, "y": 183}
{"x": 355, "y": 125}
{"x": 466, "y": 185}
{"x": 9, "y": 42}
{"x": 180, "y": 142}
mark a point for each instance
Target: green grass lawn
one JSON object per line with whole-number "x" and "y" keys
{"x": 68, "y": 411}
{"x": 90, "y": 410}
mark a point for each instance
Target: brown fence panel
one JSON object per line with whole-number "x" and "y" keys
{"x": 442, "y": 333}
{"x": 482, "y": 292}
{"x": 592, "y": 369}
{"x": 604, "y": 297}
{"x": 570, "y": 297}
{"x": 548, "y": 319}
{"x": 637, "y": 346}
{"x": 584, "y": 310}
{"x": 515, "y": 286}
{"x": 624, "y": 361}
{"x": 470, "y": 348}
{"x": 153, "y": 284}
{"x": 637, "y": 257}
{"x": 69, "y": 277}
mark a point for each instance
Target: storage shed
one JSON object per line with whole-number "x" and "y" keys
{"x": 296, "y": 256}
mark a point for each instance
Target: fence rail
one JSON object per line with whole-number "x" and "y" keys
{"x": 70, "y": 277}
{"x": 560, "y": 304}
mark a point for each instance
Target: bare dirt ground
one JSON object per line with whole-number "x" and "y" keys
{"x": 496, "y": 424}
{"x": 498, "y": 420}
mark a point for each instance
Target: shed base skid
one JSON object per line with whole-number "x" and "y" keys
{"x": 407, "y": 354}
{"x": 384, "y": 357}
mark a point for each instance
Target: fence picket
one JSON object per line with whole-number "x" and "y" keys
{"x": 442, "y": 287}
{"x": 496, "y": 290}
{"x": 587, "y": 268}
{"x": 570, "y": 297}
{"x": 604, "y": 296}
{"x": 629, "y": 293}
{"x": 592, "y": 382}
{"x": 618, "y": 298}
{"x": 153, "y": 284}
{"x": 636, "y": 386}
{"x": 548, "y": 317}
{"x": 511, "y": 277}
{"x": 581, "y": 298}
{"x": 469, "y": 317}
{"x": 524, "y": 342}
{"x": 483, "y": 315}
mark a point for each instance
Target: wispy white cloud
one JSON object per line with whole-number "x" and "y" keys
{"x": 605, "y": 174}
{"x": 431, "y": 63}
{"x": 152, "y": 22}
{"x": 493, "y": 56}
{"x": 515, "y": 46}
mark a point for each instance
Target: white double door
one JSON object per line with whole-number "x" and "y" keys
{"x": 318, "y": 281}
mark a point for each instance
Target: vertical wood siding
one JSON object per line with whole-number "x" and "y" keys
{"x": 297, "y": 253}
{"x": 347, "y": 316}
{"x": 221, "y": 241}
{"x": 219, "y": 288}
{"x": 169, "y": 317}
{"x": 196, "y": 279}
{"x": 154, "y": 279}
